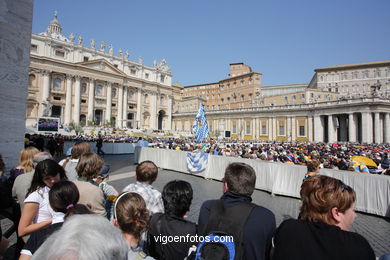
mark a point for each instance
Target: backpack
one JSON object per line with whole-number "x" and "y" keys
{"x": 224, "y": 232}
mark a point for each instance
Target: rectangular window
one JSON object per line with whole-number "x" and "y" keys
{"x": 113, "y": 105}
{"x": 281, "y": 130}
{"x": 132, "y": 72}
{"x": 162, "y": 78}
{"x": 302, "y": 95}
{"x": 60, "y": 54}
{"x": 116, "y": 65}
{"x": 264, "y": 129}
{"x": 83, "y": 101}
{"x": 34, "y": 47}
{"x": 302, "y": 130}
{"x": 147, "y": 76}
{"x": 248, "y": 128}
{"x": 57, "y": 98}
{"x": 86, "y": 58}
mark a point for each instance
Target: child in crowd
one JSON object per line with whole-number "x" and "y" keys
{"x": 110, "y": 193}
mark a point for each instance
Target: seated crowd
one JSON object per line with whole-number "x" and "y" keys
{"x": 336, "y": 156}
{"x": 69, "y": 211}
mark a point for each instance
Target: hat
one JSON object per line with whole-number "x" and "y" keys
{"x": 104, "y": 171}
{"x": 385, "y": 163}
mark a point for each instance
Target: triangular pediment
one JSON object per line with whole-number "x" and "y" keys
{"x": 101, "y": 65}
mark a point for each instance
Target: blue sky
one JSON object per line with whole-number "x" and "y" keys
{"x": 282, "y": 39}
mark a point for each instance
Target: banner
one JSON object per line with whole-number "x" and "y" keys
{"x": 200, "y": 126}
{"x": 197, "y": 162}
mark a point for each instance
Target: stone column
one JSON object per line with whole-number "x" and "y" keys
{"x": 169, "y": 118}
{"x": 68, "y": 100}
{"x": 91, "y": 99}
{"x": 366, "y": 127}
{"x": 377, "y": 128}
{"x": 269, "y": 128}
{"x": 253, "y": 128}
{"x": 274, "y": 128}
{"x": 15, "y": 41}
{"x": 351, "y": 128}
{"x": 120, "y": 107}
{"x": 310, "y": 128}
{"x": 386, "y": 128}
{"x": 108, "y": 102}
{"x": 153, "y": 112}
{"x": 46, "y": 85}
{"x": 125, "y": 106}
{"x": 293, "y": 129}
{"x": 288, "y": 129}
{"x": 318, "y": 129}
{"x": 77, "y": 100}
{"x": 139, "y": 108}
{"x": 257, "y": 128}
{"x": 331, "y": 129}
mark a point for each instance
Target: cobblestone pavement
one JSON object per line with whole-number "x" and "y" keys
{"x": 375, "y": 229}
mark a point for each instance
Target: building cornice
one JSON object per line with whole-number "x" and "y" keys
{"x": 312, "y": 108}
{"x": 123, "y": 78}
{"x": 375, "y": 64}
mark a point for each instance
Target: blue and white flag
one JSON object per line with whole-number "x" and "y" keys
{"x": 197, "y": 162}
{"x": 200, "y": 126}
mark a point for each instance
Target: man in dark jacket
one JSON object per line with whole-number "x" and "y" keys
{"x": 238, "y": 186}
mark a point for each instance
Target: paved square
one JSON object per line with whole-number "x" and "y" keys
{"x": 375, "y": 229}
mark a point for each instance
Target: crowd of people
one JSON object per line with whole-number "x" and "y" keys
{"x": 67, "y": 210}
{"x": 338, "y": 156}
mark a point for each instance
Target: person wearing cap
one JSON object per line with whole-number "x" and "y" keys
{"x": 109, "y": 192}
{"x": 384, "y": 167}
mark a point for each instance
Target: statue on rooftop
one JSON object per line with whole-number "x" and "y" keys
{"x": 80, "y": 40}
{"x": 103, "y": 46}
{"x": 93, "y": 43}
{"x": 71, "y": 37}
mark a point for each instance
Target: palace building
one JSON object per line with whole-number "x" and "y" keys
{"x": 341, "y": 103}
{"x": 90, "y": 85}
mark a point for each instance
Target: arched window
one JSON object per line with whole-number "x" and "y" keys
{"x": 57, "y": 84}
{"x": 83, "y": 88}
{"x": 130, "y": 95}
{"x": 146, "y": 98}
{"x": 31, "y": 81}
{"x": 99, "y": 91}
{"x": 113, "y": 92}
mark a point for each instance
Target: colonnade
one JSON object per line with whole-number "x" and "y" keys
{"x": 364, "y": 127}
{"x": 147, "y": 111}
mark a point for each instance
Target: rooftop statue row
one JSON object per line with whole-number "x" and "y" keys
{"x": 54, "y": 30}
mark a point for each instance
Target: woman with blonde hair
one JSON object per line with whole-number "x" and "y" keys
{"x": 321, "y": 230}
{"x": 70, "y": 163}
{"x": 91, "y": 195}
{"x": 25, "y": 164}
{"x": 132, "y": 218}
